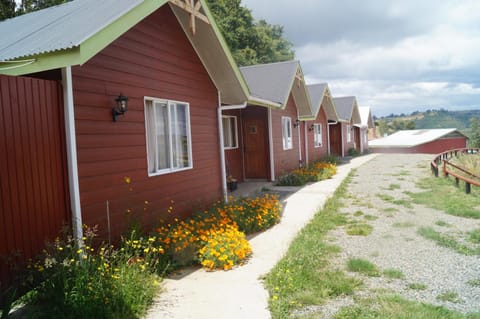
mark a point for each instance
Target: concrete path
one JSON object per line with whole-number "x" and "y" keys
{"x": 239, "y": 293}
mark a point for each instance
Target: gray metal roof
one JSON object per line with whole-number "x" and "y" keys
{"x": 317, "y": 92}
{"x": 271, "y": 81}
{"x": 60, "y": 27}
{"x": 345, "y": 107}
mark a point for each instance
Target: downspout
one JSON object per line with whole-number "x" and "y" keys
{"x": 343, "y": 144}
{"x": 71, "y": 145}
{"x": 270, "y": 145}
{"x": 220, "y": 136}
{"x": 299, "y": 142}
{"x": 306, "y": 142}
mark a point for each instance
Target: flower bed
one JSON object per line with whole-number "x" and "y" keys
{"x": 312, "y": 173}
{"x": 82, "y": 280}
{"x": 185, "y": 240}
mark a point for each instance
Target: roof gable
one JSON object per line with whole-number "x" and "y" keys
{"x": 320, "y": 96}
{"x": 276, "y": 81}
{"x": 71, "y": 33}
{"x": 347, "y": 109}
{"x": 366, "y": 116}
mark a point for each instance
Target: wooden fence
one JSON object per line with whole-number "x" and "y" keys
{"x": 450, "y": 169}
{"x": 33, "y": 177}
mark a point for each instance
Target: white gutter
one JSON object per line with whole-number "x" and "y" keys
{"x": 257, "y": 100}
{"x": 71, "y": 144}
{"x": 306, "y": 143}
{"x": 220, "y": 136}
{"x": 270, "y": 145}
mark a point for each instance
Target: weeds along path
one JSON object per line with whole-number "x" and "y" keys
{"x": 417, "y": 252}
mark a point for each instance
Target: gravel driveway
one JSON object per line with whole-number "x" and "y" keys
{"x": 394, "y": 242}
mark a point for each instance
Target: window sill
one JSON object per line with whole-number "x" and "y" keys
{"x": 170, "y": 171}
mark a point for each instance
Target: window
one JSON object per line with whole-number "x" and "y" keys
{"x": 287, "y": 133}
{"x": 349, "y": 133}
{"x": 317, "y": 135}
{"x": 230, "y": 139}
{"x": 169, "y": 147}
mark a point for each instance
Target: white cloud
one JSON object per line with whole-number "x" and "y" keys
{"x": 396, "y": 56}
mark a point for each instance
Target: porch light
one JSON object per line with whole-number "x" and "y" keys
{"x": 121, "y": 106}
{"x": 311, "y": 127}
{"x": 297, "y": 122}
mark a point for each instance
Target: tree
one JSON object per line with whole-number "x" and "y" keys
{"x": 474, "y": 132}
{"x": 7, "y": 9}
{"x": 27, "y": 6}
{"x": 250, "y": 42}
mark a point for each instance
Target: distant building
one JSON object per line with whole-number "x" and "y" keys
{"x": 429, "y": 141}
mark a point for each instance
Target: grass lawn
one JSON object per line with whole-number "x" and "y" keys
{"x": 306, "y": 277}
{"x": 440, "y": 193}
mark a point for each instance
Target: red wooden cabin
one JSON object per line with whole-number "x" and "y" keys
{"x": 342, "y": 132}
{"x": 317, "y": 142}
{"x": 176, "y": 72}
{"x": 364, "y": 127}
{"x": 269, "y": 131}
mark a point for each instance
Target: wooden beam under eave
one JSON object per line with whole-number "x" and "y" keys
{"x": 192, "y": 9}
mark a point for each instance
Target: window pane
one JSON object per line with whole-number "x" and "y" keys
{"x": 162, "y": 136}
{"x": 180, "y": 143}
{"x": 150, "y": 131}
{"x": 229, "y": 132}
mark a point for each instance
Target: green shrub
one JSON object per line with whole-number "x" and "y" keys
{"x": 353, "y": 152}
{"x": 314, "y": 172}
{"x": 78, "y": 280}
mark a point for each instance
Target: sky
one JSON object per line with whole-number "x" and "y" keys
{"x": 396, "y": 56}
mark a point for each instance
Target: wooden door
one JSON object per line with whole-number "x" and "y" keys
{"x": 255, "y": 147}
{"x": 357, "y": 131}
{"x": 33, "y": 178}
{"x": 335, "y": 132}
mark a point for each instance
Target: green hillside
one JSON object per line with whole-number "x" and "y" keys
{"x": 429, "y": 119}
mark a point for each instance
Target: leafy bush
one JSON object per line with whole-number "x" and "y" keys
{"x": 315, "y": 172}
{"x": 77, "y": 280}
{"x": 353, "y": 152}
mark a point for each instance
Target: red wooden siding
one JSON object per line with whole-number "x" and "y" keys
{"x": 316, "y": 153}
{"x": 152, "y": 59}
{"x": 234, "y": 157}
{"x": 33, "y": 182}
{"x": 285, "y": 160}
{"x": 435, "y": 147}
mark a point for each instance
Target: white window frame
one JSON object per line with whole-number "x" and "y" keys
{"x": 153, "y": 169}
{"x": 349, "y": 134}
{"x": 317, "y": 135}
{"x": 286, "y": 129}
{"x": 230, "y": 142}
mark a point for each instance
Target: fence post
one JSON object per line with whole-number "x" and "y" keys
{"x": 456, "y": 181}
{"x": 467, "y": 187}
{"x": 445, "y": 168}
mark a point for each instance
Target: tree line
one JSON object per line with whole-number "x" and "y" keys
{"x": 250, "y": 41}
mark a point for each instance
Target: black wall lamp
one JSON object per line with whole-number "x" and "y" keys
{"x": 121, "y": 106}
{"x": 311, "y": 127}
{"x": 297, "y": 123}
